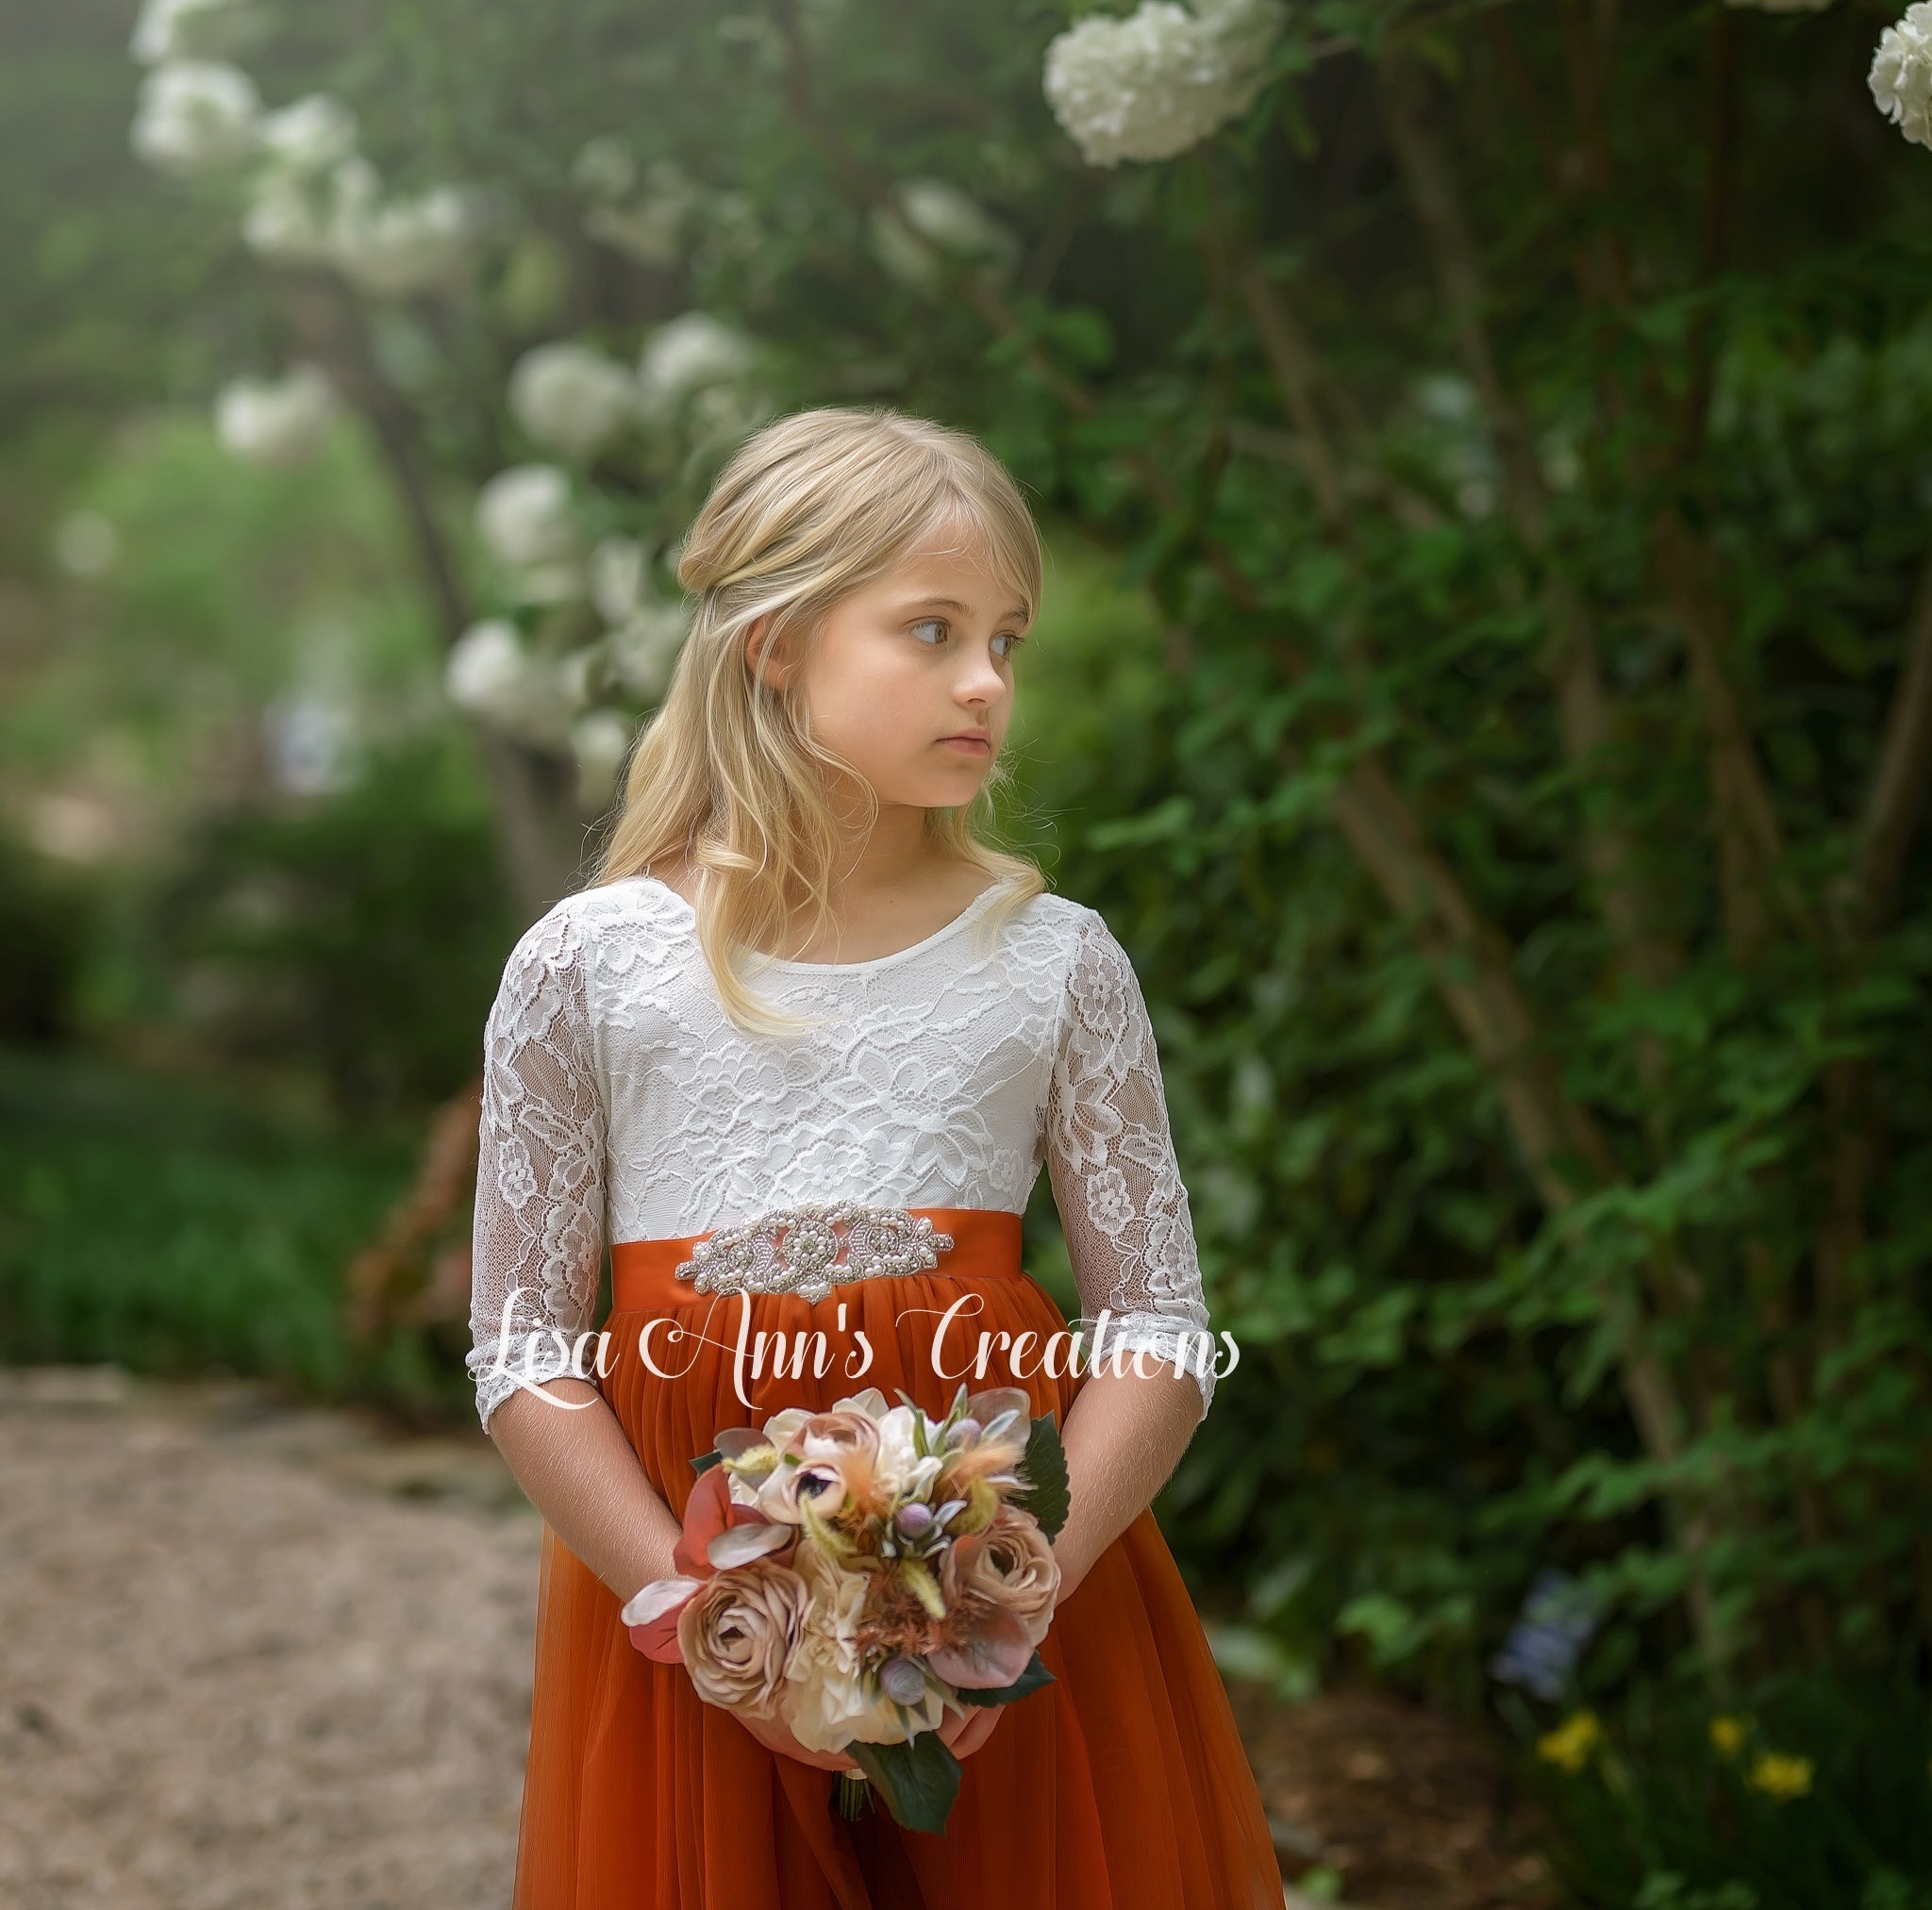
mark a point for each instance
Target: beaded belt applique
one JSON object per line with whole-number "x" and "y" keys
{"x": 798, "y": 1250}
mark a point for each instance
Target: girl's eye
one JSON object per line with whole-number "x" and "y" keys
{"x": 929, "y": 623}
{"x": 1006, "y": 636}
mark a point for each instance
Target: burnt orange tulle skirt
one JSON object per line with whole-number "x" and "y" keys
{"x": 1121, "y": 1785}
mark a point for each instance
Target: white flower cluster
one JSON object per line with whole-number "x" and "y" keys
{"x": 1901, "y": 77}
{"x": 1161, "y": 80}
{"x": 695, "y": 361}
{"x": 571, "y": 398}
{"x": 278, "y": 422}
{"x": 187, "y": 29}
{"x": 314, "y": 199}
{"x": 935, "y": 218}
{"x": 195, "y": 116}
{"x": 492, "y": 675}
{"x": 645, "y": 222}
{"x": 319, "y": 202}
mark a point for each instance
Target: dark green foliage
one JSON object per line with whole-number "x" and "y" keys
{"x": 357, "y": 937}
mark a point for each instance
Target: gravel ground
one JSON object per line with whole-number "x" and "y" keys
{"x": 253, "y": 1657}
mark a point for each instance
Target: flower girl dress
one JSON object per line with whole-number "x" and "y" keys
{"x": 622, "y": 1105}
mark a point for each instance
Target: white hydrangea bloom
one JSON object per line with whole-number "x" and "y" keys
{"x": 86, "y": 545}
{"x": 489, "y": 675}
{"x": 290, "y": 220}
{"x": 600, "y": 743}
{"x": 687, "y": 355}
{"x": 186, "y": 29}
{"x": 525, "y": 515}
{"x": 1161, "y": 80}
{"x": 276, "y": 422}
{"x": 195, "y": 116}
{"x": 644, "y": 647}
{"x": 571, "y": 398}
{"x": 310, "y": 135}
{"x": 395, "y": 247}
{"x": 935, "y": 217}
{"x": 1901, "y": 77}
{"x": 603, "y": 167}
{"x": 617, "y": 578}
{"x": 486, "y": 669}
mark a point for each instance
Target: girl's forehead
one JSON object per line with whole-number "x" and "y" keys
{"x": 956, "y": 556}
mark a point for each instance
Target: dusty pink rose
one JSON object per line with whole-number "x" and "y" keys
{"x": 737, "y": 1633}
{"x": 1009, "y": 1567}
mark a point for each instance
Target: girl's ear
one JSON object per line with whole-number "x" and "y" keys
{"x": 777, "y": 668}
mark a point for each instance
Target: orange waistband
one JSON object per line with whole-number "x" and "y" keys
{"x": 986, "y": 1244}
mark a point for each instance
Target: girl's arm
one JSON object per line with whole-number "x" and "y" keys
{"x": 1131, "y": 1241}
{"x": 536, "y": 1259}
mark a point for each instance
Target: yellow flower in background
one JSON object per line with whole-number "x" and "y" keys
{"x": 1727, "y": 1735}
{"x": 1779, "y": 1777}
{"x": 1572, "y": 1742}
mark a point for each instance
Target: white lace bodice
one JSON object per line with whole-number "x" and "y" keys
{"x": 620, "y": 1102}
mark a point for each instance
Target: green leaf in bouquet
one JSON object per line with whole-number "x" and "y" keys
{"x": 917, "y": 1782}
{"x": 1031, "y": 1679}
{"x": 704, "y": 1461}
{"x": 1045, "y": 1467}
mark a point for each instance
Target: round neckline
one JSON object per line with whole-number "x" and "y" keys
{"x": 966, "y": 915}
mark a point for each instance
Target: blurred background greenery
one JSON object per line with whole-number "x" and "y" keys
{"x": 1486, "y": 680}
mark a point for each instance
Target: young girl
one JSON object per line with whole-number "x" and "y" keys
{"x": 800, "y": 977}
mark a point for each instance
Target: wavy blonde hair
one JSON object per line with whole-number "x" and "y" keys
{"x": 727, "y": 774}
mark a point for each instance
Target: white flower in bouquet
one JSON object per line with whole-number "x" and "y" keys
{"x": 935, "y": 217}
{"x": 195, "y": 116}
{"x": 827, "y": 1704}
{"x": 690, "y": 355}
{"x": 1162, "y": 79}
{"x": 1901, "y": 77}
{"x": 396, "y": 247}
{"x": 571, "y": 398}
{"x": 525, "y": 515}
{"x": 276, "y": 422}
{"x": 186, "y": 29}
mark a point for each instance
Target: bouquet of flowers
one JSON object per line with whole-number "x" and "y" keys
{"x": 854, "y": 1571}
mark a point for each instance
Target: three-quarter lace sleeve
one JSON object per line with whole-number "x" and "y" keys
{"x": 538, "y": 1240}
{"x": 1115, "y": 1181}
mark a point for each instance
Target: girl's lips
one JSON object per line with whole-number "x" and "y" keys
{"x": 976, "y": 745}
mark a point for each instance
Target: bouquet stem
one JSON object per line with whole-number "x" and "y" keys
{"x": 854, "y": 1793}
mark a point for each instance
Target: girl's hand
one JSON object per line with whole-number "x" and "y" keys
{"x": 963, "y": 1735}
{"x": 776, "y": 1735}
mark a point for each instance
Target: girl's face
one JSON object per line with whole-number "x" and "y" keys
{"x": 911, "y": 679}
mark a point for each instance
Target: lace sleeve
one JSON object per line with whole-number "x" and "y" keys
{"x": 538, "y": 1240}
{"x": 1111, "y": 1163}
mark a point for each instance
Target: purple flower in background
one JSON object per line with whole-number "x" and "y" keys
{"x": 1560, "y": 1618}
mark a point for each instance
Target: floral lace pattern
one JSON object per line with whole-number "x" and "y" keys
{"x": 620, "y": 1102}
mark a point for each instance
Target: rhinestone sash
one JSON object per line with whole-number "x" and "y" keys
{"x": 809, "y": 1248}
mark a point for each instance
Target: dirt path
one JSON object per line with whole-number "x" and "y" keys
{"x": 260, "y": 1659}
{"x": 238, "y": 1670}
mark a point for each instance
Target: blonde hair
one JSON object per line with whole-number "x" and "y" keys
{"x": 726, "y": 774}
